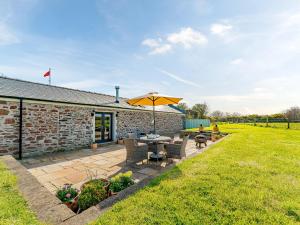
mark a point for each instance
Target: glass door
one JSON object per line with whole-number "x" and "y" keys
{"x": 103, "y": 127}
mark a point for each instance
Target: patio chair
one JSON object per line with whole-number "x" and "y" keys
{"x": 132, "y": 135}
{"x": 168, "y": 134}
{"x": 177, "y": 139}
{"x": 177, "y": 150}
{"x": 135, "y": 152}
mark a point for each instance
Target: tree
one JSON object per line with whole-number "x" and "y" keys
{"x": 278, "y": 115}
{"x": 183, "y": 106}
{"x": 217, "y": 115}
{"x": 201, "y": 110}
{"x": 293, "y": 113}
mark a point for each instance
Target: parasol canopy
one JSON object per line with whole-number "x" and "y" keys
{"x": 153, "y": 99}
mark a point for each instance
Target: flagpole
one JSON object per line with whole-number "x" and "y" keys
{"x": 49, "y": 76}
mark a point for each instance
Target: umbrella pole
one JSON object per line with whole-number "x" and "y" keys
{"x": 154, "y": 117}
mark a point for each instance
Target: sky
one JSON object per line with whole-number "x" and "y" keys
{"x": 237, "y": 56}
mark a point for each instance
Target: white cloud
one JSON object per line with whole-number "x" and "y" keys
{"x": 187, "y": 37}
{"x": 237, "y": 61}
{"x": 157, "y": 46}
{"x": 151, "y": 42}
{"x": 178, "y": 78}
{"x": 161, "y": 49}
{"x": 7, "y": 37}
{"x": 220, "y": 29}
{"x": 290, "y": 20}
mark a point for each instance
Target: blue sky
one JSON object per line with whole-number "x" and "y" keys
{"x": 238, "y": 56}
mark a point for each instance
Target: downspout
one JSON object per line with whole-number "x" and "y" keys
{"x": 154, "y": 116}
{"x": 20, "y": 128}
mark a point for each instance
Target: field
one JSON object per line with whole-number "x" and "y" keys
{"x": 293, "y": 126}
{"x": 13, "y": 208}
{"x": 251, "y": 177}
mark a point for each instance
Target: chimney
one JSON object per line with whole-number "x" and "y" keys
{"x": 117, "y": 93}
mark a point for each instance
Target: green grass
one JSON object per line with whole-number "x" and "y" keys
{"x": 251, "y": 177}
{"x": 13, "y": 208}
{"x": 293, "y": 126}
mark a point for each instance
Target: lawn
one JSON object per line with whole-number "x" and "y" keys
{"x": 251, "y": 177}
{"x": 293, "y": 126}
{"x": 13, "y": 208}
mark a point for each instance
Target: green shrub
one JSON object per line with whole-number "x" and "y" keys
{"x": 121, "y": 181}
{"x": 67, "y": 193}
{"x": 92, "y": 193}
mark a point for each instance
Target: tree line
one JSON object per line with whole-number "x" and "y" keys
{"x": 201, "y": 111}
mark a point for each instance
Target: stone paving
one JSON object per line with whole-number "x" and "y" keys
{"x": 76, "y": 167}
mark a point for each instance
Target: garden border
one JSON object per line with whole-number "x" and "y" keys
{"x": 47, "y": 207}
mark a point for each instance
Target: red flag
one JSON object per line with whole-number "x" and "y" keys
{"x": 47, "y": 74}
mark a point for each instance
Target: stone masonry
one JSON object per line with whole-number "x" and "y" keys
{"x": 9, "y": 127}
{"x": 50, "y": 127}
{"x": 46, "y": 127}
{"x": 141, "y": 121}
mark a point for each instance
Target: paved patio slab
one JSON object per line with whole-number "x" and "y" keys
{"x": 76, "y": 167}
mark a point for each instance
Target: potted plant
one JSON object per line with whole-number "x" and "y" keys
{"x": 120, "y": 181}
{"x": 201, "y": 128}
{"x": 215, "y": 133}
{"x": 94, "y": 146}
{"x": 69, "y": 196}
{"x": 92, "y": 192}
{"x": 120, "y": 141}
{"x": 215, "y": 128}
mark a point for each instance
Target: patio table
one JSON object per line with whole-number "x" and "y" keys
{"x": 155, "y": 155}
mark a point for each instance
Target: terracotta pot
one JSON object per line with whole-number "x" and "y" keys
{"x": 94, "y": 146}
{"x": 73, "y": 205}
{"x": 120, "y": 142}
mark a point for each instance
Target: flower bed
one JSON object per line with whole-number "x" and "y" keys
{"x": 93, "y": 191}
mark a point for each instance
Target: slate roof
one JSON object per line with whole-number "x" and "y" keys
{"x": 19, "y": 88}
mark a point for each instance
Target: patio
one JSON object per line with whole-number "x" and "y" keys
{"x": 76, "y": 167}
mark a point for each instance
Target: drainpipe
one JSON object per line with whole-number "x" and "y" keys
{"x": 20, "y": 128}
{"x": 117, "y": 93}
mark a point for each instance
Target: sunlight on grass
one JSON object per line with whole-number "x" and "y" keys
{"x": 13, "y": 208}
{"x": 251, "y": 177}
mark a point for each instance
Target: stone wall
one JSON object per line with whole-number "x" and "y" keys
{"x": 140, "y": 121}
{"x": 46, "y": 127}
{"x": 50, "y": 127}
{"x": 9, "y": 127}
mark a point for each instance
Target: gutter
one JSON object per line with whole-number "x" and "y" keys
{"x": 178, "y": 109}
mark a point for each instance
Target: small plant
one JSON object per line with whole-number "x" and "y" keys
{"x": 215, "y": 128}
{"x": 67, "y": 193}
{"x": 121, "y": 181}
{"x": 201, "y": 128}
{"x": 92, "y": 193}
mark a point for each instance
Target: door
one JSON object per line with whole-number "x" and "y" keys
{"x": 103, "y": 127}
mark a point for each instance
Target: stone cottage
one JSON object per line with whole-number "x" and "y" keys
{"x": 37, "y": 118}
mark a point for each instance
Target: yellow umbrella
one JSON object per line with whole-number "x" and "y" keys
{"x": 153, "y": 99}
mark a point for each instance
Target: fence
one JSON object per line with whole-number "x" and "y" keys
{"x": 195, "y": 123}
{"x": 270, "y": 122}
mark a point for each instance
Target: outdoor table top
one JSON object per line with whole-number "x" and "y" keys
{"x": 158, "y": 139}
